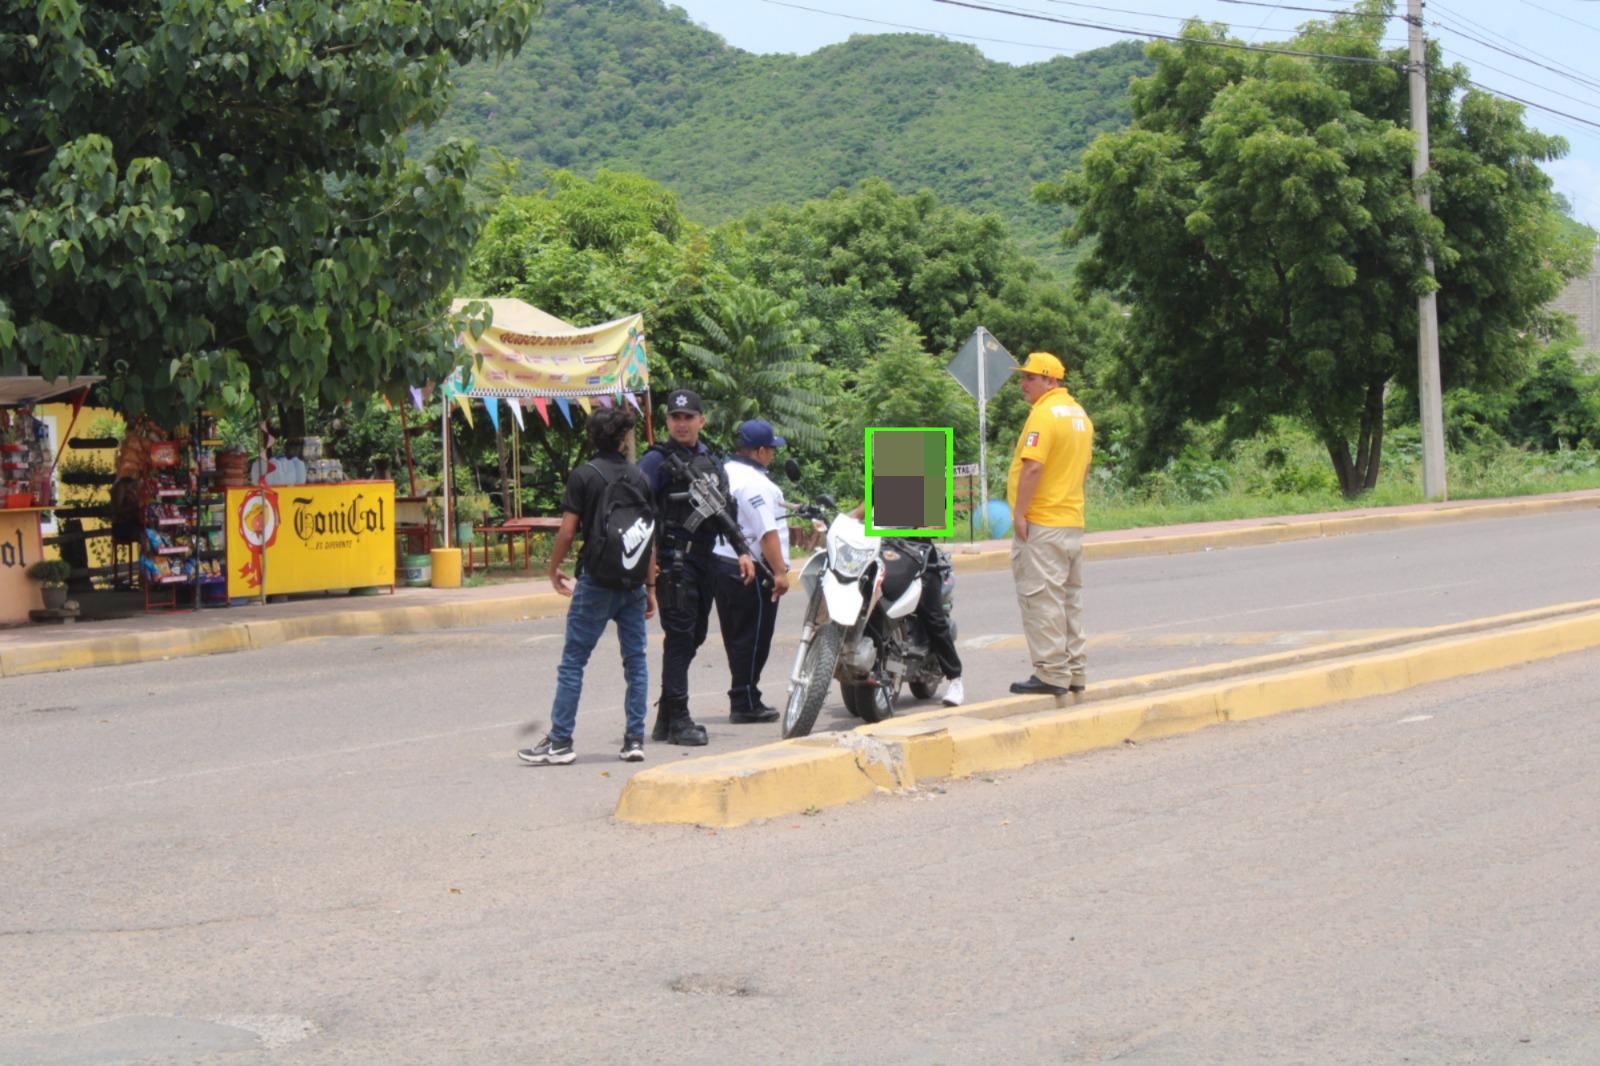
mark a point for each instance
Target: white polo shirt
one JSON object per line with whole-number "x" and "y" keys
{"x": 760, "y": 504}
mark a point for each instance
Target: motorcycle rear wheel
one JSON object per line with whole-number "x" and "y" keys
{"x": 874, "y": 703}
{"x": 816, "y": 670}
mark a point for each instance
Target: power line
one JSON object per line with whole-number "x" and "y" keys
{"x": 1553, "y": 92}
{"x": 1530, "y": 103}
{"x": 1192, "y": 18}
{"x": 1126, "y": 30}
{"x": 1451, "y": 17}
{"x": 1515, "y": 55}
{"x": 1291, "y": 7}
{"x": 1123, "y": 30}
{"x": 1276, "y": 9}
{"x": 1231, "y": 45}
{"x": 1238, "y": 46}
{"x": 1141, "y": 14}
{"x": 918, "y": 29}
{"x": 1559, "y": 15}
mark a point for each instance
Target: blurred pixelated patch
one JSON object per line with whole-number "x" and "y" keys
{"x": 910, "y": 480}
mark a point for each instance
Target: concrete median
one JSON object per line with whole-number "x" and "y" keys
{"x": 831, "y": 769}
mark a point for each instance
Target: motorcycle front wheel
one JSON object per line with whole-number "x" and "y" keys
{"x": 816, "y": 670}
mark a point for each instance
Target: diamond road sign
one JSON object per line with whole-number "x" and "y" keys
{"x": 997, "y": 364}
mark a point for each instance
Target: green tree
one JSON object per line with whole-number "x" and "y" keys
{"x": 1259, "y": 220}
{"x": 905, "y": 386}
{"x": 209, "y": 200}
{"x": 755, "y": 363}
{"x": 911, "y": 254}
{"x": 588, "y": 251}
{"x": 593, "y": 250}
{"x": 866, "y": 263}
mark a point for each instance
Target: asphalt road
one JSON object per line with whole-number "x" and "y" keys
{"x": 327, "y": 852}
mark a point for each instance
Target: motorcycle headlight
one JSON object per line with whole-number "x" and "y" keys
{"x": 849, "y": 560}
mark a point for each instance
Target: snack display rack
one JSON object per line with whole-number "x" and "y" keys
{"x": 182, "y": 556}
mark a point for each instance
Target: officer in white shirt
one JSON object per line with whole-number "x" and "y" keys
{"x": 747, "y": 613}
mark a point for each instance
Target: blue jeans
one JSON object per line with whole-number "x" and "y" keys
{"x": 591, "y": 608}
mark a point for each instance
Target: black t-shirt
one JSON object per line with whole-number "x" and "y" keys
{"x": 586, "y": 486}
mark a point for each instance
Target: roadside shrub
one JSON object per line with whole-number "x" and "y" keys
{"x": 1558, "y": 406}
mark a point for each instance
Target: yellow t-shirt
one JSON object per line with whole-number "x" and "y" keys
{"x": 1059, "y": 435}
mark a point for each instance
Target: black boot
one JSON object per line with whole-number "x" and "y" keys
{"x": 680, "y": 729}
{"x": 663, "y": 721}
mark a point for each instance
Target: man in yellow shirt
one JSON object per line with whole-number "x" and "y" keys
{"x": 1045, "y": 490}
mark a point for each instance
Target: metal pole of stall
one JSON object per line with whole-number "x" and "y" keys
{"x": 444, "y": 422}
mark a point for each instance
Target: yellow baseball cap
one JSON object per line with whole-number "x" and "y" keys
{"x": 1042, "y": 363}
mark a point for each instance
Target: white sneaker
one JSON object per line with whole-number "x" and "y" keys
{"x": 954, "y": 693}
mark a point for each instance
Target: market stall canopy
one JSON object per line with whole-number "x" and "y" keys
{"x": 519, "y": 316}
{"x": 528, "y": 353}
{"x": 18, "y": 391}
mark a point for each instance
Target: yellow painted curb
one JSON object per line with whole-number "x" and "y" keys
{"x": 830, "y": 769}
{"x": 267, "y": 633}
{"x": 1281, "y": 532}
{"x": 114, "y": 651}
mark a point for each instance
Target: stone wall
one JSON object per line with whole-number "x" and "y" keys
{"x": 1581, "y": 300}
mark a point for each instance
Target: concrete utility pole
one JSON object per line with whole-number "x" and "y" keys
{"x": 1430, "y": 392}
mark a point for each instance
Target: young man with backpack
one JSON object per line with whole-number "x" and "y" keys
{"x": 609, "y": 502}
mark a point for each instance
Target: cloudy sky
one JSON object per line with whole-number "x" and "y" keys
{"x": 1540, "y": 50}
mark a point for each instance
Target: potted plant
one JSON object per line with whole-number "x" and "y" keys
{"x": 472, "y": 508}
{"x": 52, "y": 574}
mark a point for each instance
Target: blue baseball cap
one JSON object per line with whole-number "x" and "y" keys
{"x": 757, "y": 433}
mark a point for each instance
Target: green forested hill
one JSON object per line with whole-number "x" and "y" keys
{"x": 634, "y": 85}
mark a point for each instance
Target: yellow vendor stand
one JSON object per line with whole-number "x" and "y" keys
{"x": 28, "y": 456}
{"x": 20, "y": 547}
{"x": 309, "y": 538}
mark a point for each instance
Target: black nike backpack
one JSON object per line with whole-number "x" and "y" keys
{"x": 617, "y": 554}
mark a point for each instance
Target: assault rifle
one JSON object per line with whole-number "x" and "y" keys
{"x": 708, "y": 503}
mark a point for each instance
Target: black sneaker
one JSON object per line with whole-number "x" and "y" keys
{"x": 548, "y": 753}
{"x": 632, "y": 749}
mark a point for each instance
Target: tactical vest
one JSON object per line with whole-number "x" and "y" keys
{"x": 675, "y": 513}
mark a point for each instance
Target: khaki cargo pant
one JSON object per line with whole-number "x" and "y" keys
{"x": 1048, "y": 569}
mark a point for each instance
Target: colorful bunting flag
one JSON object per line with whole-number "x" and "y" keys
{"x": 544, "y": 408}
{"x": 466, "y": 407}
{"x": 566, "y": 409}
{"x": 605, "y": 401}
{"x": 585, "y": 403}
{"x": 634, "y": 401}
{"x": 516, "y": 412}
{"x": 492, "y": 405}
{"x": 416, "y": 397}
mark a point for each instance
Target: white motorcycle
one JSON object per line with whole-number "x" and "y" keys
{"x": 861, "y": 622}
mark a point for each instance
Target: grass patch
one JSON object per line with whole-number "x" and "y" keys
{"x": 1288, "y": 473}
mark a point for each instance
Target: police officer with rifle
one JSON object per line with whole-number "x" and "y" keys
{"x": 694, "y": 508}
